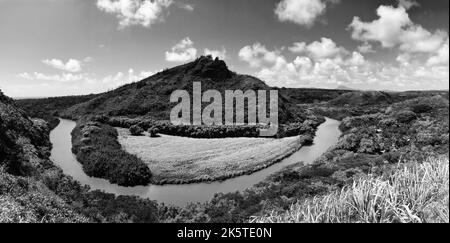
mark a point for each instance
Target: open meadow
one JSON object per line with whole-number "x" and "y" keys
{"x": 175, "y": 159}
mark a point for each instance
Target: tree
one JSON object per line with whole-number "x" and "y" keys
{"x": 153, "y": 131}
{"x": 136, "y": 130}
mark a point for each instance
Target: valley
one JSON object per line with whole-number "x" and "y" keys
{"x": 181, "y": 195}
{"x": 234, "y": 176}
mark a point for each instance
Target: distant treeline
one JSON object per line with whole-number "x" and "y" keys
{"x": 309, "y": 126}
{"x": 48, "y": 109}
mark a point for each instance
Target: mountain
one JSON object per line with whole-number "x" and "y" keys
{"x": 151, "y": 97}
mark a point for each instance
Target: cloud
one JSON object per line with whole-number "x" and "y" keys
{"x": 65, "y": 77}
{"x": 325, "y": 48}
{"x": 407, "y": 4}
{"x": 72, "y": 65}
{"x": 394, "y": 28}
{"x": 183, "y": 51}
{"x": 441, "y": 57}
{"x": 185, "y": 6}
{"x": 136, "y": 12}
{"x": 83, "y": 83}
{"x": 366, "y": 48}
{"x": 301, "y": 12}
{"x": 257, "y": 54}
{"x": 25, "y": 76}
{"x": 221, "y": 54}
{"x": 337, "y": 67}
{"x": 298, "y": 47}
{"x": 120, "y": 78}
{"x": 387, "y": 29}
{"x": 357, "y": 59}
{"x": 56, "y": 85}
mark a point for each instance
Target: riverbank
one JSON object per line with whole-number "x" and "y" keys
{"x": 180, "y": 195}
{"x": 97, "y": 149}
{"x": 181, "y": 160}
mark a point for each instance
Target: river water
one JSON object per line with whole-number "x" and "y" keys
{"x": 327, "y": 135}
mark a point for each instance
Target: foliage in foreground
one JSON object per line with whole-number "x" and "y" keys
{"x": 415, "y": 193}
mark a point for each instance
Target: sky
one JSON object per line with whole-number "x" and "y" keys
{"x": 72, "y": 47}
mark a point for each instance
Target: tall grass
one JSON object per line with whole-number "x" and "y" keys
{"x": 414, "y": 193}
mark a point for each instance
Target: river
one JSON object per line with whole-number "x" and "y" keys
{"x": 327, "y": 135}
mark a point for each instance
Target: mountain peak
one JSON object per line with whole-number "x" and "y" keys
{"x": 207, "y": 67}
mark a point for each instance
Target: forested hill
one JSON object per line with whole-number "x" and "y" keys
{"x": 24, "y": 166}
{"x": 151, "y": 96}
{"x": 34, "y": 190}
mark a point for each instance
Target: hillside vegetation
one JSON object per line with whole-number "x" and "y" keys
{"x": 24, "y": 150}
{"x": 413, "y": 193}
{"x": 151, "y": 96}
{"x": 34, "y": 190}
{"x": 413, "y": 130}
{"x": 48, "y": 109}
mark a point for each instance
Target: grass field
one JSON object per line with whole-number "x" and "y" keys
{"x": 414, "y": 193}
{"x": 174, "y": 160}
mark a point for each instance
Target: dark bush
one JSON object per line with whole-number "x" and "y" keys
{"x": 406, "y": 116}
{"x": 421, "y": 108}
{"x": 136, "y": 130}
{"x": 153, "y": 132}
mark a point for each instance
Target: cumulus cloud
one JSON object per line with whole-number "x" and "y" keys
{"x": 325, "y": 48}
{"x": 407, "y": 4}
{"x": 183, "y": 51}
{"x": 85, "y": 83}
{"x": 65, "y": 77}
{"x": 366, "y": 48}
{"x": 72, "y": 65}
{"x": 136, "y": 12}
{"x": 441, "y": 57}
{"x": 25, "y": 76}
{"x": 221, "y": 54}
{"x": 387, "y": 29}
{"x": 346, "y": 68}
{"x": 298, "y": 47}
{"x": 394, "y": 28}
{"x": 257, "y": 54}
{"x": 186, "y": 6}
{"x": 301, "y": 12}
{"x": 121, "y": 78}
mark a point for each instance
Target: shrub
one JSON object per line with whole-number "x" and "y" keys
{"x": 421, "y": 108}
{"x": 406, "y": 116}
{"x": 153, "y": 131}
{"x": 136, "y": 130}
